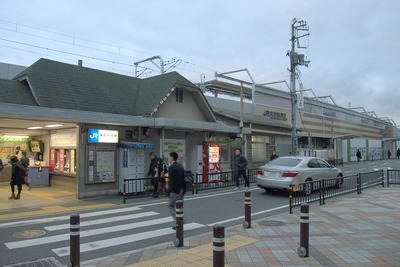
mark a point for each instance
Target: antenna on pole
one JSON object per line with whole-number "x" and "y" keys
{"x": 298, "y": 29}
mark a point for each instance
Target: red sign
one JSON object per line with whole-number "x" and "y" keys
{"x": 61, "y": 160}
{"x": 52, "y": 159}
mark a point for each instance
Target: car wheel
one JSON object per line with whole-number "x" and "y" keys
{"x": 268, "y": 190}
{"x": 307, "y": 187}
{"x": 339, "y": 181}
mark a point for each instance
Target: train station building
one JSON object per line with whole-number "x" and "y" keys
{"x": 86, "y": 129}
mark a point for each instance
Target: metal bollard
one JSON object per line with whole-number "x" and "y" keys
{"x": 304, "y": 231}
{"x": 218, "y": 246}
{"x": 74, "y": 242}
{"x": 179, "y": 223}
{"x": 247, "y": 210}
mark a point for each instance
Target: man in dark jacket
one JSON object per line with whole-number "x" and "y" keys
{"x": 241, "y": 166}
{"x": 25, "y": 162}
{"x": 152, "y": 172}
{"x": 177, "y": 186}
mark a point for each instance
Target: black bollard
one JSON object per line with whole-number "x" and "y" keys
{"x": 247, "y": 210}
{"x": 74, "y": 243}
{"x": 218, "y": 246}
{"x": 304, "y": 231}
{"x": 179, "y": 223}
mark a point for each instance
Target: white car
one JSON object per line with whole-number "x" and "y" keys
{"x": 283, "y": 172}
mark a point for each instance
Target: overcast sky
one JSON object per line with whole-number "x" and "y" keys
{"x": 354, "y": 45}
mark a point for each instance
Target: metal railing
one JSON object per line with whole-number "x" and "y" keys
{"x": 327, "y": 188}
{"x": 393, "y": 177}
{"x": 137, "y": 187}
{"x": 220, "y": 179}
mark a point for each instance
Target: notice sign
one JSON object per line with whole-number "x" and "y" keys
{"x": 102, "y": 136}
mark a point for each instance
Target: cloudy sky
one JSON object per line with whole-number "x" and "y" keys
{"x": 354, "y": 46}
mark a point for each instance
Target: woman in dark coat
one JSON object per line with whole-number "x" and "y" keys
{"x": 17, "y": 177}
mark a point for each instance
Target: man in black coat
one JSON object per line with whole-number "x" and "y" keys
{"x": 152, "y": 172}
{"x": 241, "y": 166}
{"x": 177, "y": 186}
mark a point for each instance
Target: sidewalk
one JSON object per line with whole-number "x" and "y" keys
{"x": 351, "y": 230}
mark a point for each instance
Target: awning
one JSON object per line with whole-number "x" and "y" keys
{"x": 136, "y": 145}
{"x": 346, "y": 136}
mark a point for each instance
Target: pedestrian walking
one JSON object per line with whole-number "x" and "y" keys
{"x": 177, "y": 186}
{"x": 152, "y": 172}
{"x": 389, "y": 153}
{"x": 273, "y": 155}
{"x": 358, "y": 154}
{"x": 25, "y": 162}
{"x": 162, "y": 170}
{"x": 17, "y": 177}
{"x": 241, "y": 166}
{"x": 398, "y": 153}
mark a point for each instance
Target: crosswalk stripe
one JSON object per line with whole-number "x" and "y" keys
{"x": 104, "y": 220}
{"x": 93, "y": 232}
{"x": 62, "y": 218}
{"x": 64, "y": 251}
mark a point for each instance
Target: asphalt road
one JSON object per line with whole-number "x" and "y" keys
{"x": 135, "y": 225}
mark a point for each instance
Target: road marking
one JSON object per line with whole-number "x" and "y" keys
{"x": 253, "y": 214}
{"x": 66, "y": 217}
{"x": 199, "y": 197}
{"x": 104, "y": 220}
{"x": 348, "y": 171}
{"x": 93, "y": 232}
{"x": 52, "y": 210}
{"x": 64, "y": 251}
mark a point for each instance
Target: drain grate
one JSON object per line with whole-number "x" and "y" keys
{"x": 272, "y": 223}
{"x": 47, "y": 262}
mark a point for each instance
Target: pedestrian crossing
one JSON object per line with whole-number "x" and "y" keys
{"x": 108, "y": 228}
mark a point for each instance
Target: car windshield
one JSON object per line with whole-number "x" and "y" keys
{"x": 288, "y": 162}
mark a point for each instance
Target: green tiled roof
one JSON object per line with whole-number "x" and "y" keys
{"x": 14, "y": 92}
{"x": 61, "y": 85}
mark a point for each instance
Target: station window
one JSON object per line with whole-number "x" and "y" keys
{"x": 259, "y": 148}
{"x": 179, "y": 96}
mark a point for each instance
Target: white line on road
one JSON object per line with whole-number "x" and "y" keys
{"x": 62, "y": 218}
{"x": 253, "y": 214}
{"x": 199, "y": 197}
{"x": 99, "y": 231}
{"x": 104, "y": 220}
{"x": 64, "y": 251}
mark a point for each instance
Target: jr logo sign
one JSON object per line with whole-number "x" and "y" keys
{"x": 93, "y": 135}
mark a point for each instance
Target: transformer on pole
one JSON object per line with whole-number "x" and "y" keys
{"x": 298, "y": 27}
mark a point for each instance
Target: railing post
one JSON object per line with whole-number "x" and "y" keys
{"x": 387, "y": 178}
{"x": 290, "y": 198}
{"x": 321, "y": 189}
{"x": 74, "y": 242}
{"x": 383, "y": 178}
{"x": 304, "y": 231}
{"x": 247, "y": 210}
{"x": 359, "y": 192}
{"x": 124, "y": 193}
{"x": 179, "y": 223}
{"x": 218, "y": 246}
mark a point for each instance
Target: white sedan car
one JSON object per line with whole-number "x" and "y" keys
{"x": 283, "y": 172}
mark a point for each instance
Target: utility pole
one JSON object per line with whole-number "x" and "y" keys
{"x": 295, "y": 60}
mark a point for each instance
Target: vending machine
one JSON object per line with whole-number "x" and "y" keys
{"x": 205, "y": 160}
{"x": 214, "y": 163}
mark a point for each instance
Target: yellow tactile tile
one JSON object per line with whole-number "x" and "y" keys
{"x": 198, "y": 256}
